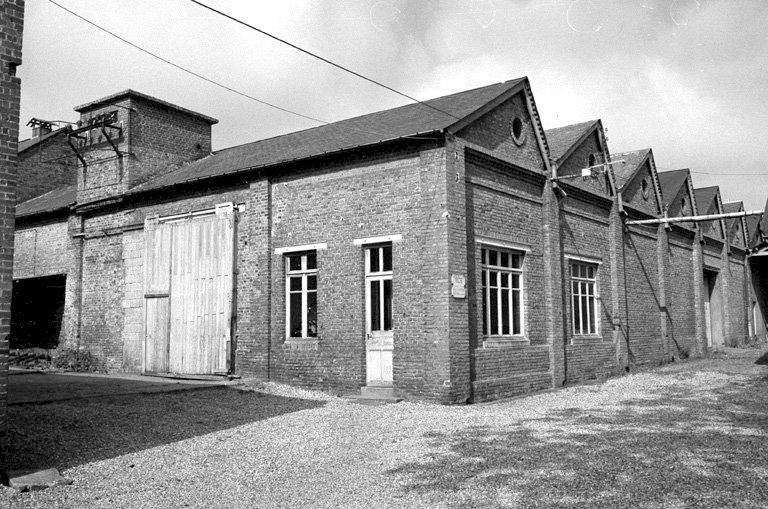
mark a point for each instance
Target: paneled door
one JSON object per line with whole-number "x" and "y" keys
{"x": 378, "y": 299}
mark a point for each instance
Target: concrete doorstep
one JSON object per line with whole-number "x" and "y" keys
{"x": 32, "y": 481}
{"x": 372, "y": 395}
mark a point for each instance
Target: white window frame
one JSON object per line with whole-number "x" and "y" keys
{"x": 380, "y": 275}
{"x": 486, "y": 291}
{"x": 582, "y": 329}
{"x": 304, "y": 273}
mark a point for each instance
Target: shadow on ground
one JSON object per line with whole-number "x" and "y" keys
{"x": 678, "y": 446}
{"x": 28, "y": 388}
{"x": 69, "y": 433}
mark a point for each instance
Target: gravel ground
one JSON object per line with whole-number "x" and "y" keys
{"x": 687, "y": 435}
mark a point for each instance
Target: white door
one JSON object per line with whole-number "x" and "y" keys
{"x": 378, "y": 306}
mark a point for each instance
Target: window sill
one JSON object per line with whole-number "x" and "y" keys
{"x": 301, "y": 344}
{"x": 591, "y": 338}
{"x": 501, "y": 342}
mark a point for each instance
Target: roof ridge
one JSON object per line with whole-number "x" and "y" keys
{"x": 376, "y": 112}
{"x": 586, "y": 122}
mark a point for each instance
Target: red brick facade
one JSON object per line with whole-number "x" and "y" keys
{"x": 439, "y": 201}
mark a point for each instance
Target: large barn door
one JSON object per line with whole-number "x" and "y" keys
{"x": 199, "y": 311}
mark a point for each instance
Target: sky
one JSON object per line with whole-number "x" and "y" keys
{"x": 686, "y": 78}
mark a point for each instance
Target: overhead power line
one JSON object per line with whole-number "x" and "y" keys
{"x": 188, "y": 71}
{"x": 322, "y": 59}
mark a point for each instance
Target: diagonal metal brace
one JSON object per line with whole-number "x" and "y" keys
{"x": 75, "y": 149}
{"x": 109, "y": 139}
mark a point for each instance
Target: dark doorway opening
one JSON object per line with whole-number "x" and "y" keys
{"x": 37, "y": 309}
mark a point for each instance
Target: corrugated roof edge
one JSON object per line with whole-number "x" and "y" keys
{"x": 132, "y": 93}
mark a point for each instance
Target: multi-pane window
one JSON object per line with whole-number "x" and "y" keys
{"x": 301, "y": 295}
{"x": 378, "y": 275}
{"x": 584, "y": 298}
{"x": 502, "y": 287}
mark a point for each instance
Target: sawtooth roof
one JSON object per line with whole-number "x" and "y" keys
{"x": 670, "y": 183}
{"x": 561, "y": 139}
{"x": 626, "y": 171}
{"x": 49, "y": 202}
{"x": 388, "y": 125}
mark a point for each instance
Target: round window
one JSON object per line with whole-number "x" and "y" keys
{"x": 646, "y": 188}
{"x": 518, "y": 133}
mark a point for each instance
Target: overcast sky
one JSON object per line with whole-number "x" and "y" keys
{"x": 687, "y": 78}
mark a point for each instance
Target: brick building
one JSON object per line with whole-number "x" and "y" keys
{"x": 11, "y": 30}
{"x": 449, "y": 251}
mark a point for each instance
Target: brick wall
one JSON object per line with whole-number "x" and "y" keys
{"x": 48, "y": 165}
{"x": 163, "y": 138}
{"x": 133, "y": 301}
{"x": 737, "y": 327}
{"x": 643, "y": 296}
{"x": 111, "y": 315}
{"x": 491, "y": 134}
{"x": 102, "y": 294}
{"x": 579, "y": 159}
{"x": 585, "y": 233}
{"x": 683, "y": 288}
{"x": 42, "y": 249}
{"x": 11, "y": 26}
{"x": 372, "y": 194}
{"x": 633, "y": 196}
{"x": 505, "y": 204}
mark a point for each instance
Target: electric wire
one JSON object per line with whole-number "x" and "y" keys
{"x": 322, "y": 59}
{"x": 188, "y": 71}
{"x": 226, "y": 87}
{"x": 307, "y": 52}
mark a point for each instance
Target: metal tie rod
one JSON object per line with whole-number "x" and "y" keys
{"x": 693, "y": 219}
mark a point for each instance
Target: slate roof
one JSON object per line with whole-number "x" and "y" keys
{"x": 632, "y": 161}
{"x": 31, "y": 142}
{"x": 670, "y": 183}
{"x": 730, "y": 222}
{"x": 388, "y": 125}
{"x": 753, "y": 224}
{"x": 49, "y": 202}
{"x": 704, "y": 197}
{"x": 733, "y": 206}
{"x": 561, "y": 139}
